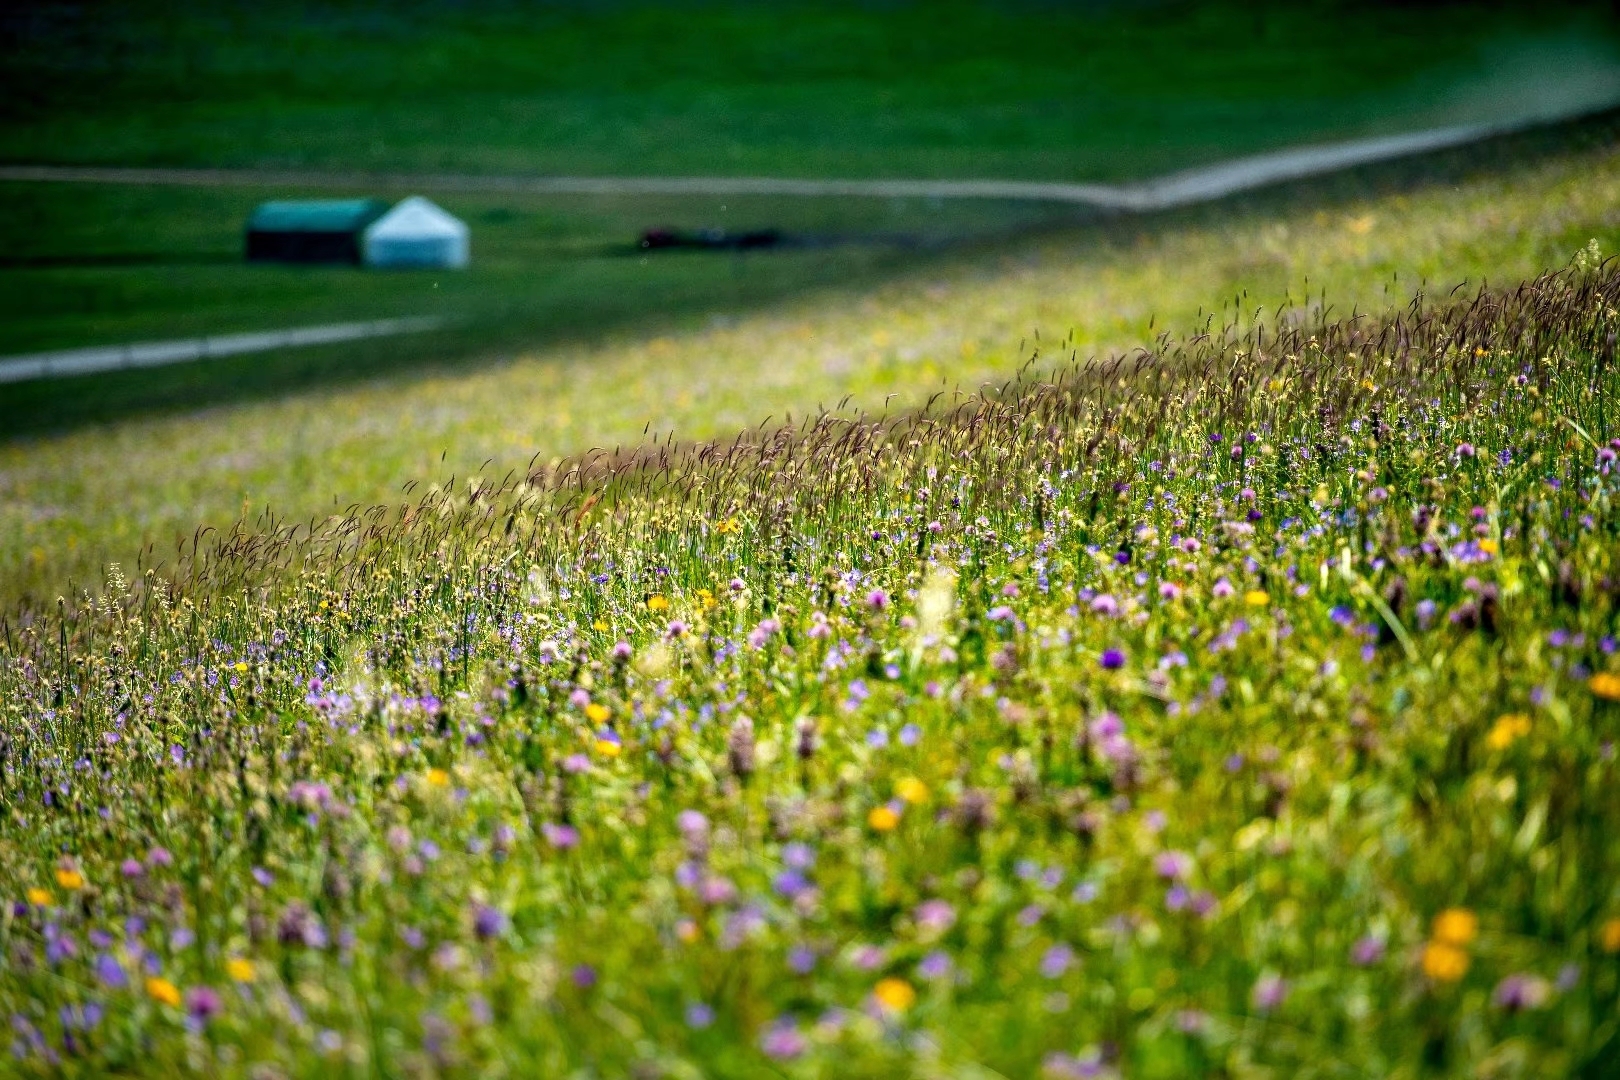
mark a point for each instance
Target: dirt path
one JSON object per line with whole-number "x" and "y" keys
{"x": 1163, "y": 193}
{"x": 52, "y": 365}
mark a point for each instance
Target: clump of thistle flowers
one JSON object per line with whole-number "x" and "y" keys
{"x": 1245, "y": 707}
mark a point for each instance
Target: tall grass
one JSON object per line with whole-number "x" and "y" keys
{"x": 1244, "y": 706}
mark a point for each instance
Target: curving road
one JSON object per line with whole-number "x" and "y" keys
{"x": 1176, "y": 189}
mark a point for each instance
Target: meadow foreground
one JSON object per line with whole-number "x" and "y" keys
{"x": 1244, "y": 709}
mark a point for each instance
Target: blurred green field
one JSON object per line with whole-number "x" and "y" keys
{"x": 90, "y": 264}
{"x": 1023, "y": 89}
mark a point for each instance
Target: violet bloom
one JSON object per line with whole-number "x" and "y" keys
{"x": 717, "y": 890}
{"x": 621, "y": 652}
{"x": 1112, "y": 659}
{"x": 159, "y": 856}
{"x": 790, "y": 883}
{"x": 934, "y": 916}
{"x": 110, "y": 973}
{"x": 798, "y": 855}
{"x": 1269, "y": 992}
{"x": 202, "y": 1003}
{"x": 783, "y": 1040}
{"x": 1522, "y": 991}
{"x": 1105, "y": 605}
{"x": 1425, "y": 613}
{"x": 561, "y": 837}
{"x": 132, "y": 868}
{"x": 1173, "y": 865}
{"x": 1367, "y": 951}
{"x": 935, "y": 965}
{"x": 1056, "y": 961}
{"x": 869, "y": 957}
{"x": 488, "y": 922}
{"x": 699, "y": 1016}
{"x": 877, "y": 599}
{"x": 801, "y": 959}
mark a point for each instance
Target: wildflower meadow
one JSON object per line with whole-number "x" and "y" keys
{"x": 1245, "y": 706}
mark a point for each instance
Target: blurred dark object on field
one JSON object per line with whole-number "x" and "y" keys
{"x": 710, "y": 240}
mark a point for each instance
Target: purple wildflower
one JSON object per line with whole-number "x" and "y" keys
{"x": 202, "y": 1003}
{"x": 1367, "y": 951}
{"x": 1269, "y": 992}
{"x": 1521, "y": 991}
{"x": 488, "y": 922}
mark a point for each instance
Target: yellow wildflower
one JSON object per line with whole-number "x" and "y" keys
{"x": 162, "y": 990}
{"x": 599, "y": 626}
{"x": 241, "y": 666}
{"x": 39, "y": 897}
{"x": 883, "y": 818}
{"x": 1490, "y": 547}
{"x": 729, "y": 525}
{"x": 597, "y": 713}
{"x": 1609, "y": 936}
{"x": 437, "y": 777}
{"x": 894, "y": 995}
{"x": 1257, "y": 598}
{"x": 1444, "y": 963}
{"x": 70, "y": 879}
{"x": 911, "y": 789}
{"x": 1506, "y": 729}
{"x": 1456, "y": 927}
{"x": 657, "y": 602}
{"x": 240, "y": 970}
{"x": 608, "y": 748}
{"x": 1605, "y": 685}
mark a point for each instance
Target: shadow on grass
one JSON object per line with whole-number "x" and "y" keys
{"x": 47, "y": 406}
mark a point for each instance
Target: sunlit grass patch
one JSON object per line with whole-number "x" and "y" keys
{"x": 1246, "y": 705}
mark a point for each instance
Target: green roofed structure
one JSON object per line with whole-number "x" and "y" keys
{"x": 311, "y": 231}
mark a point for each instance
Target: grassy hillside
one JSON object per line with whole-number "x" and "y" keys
{"x": 69, "y": 504}
{"x": 903, "y": 89}
{"x": 1247, "y": 709}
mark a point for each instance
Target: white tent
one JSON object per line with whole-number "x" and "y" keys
{"x": 416, "y": 233}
